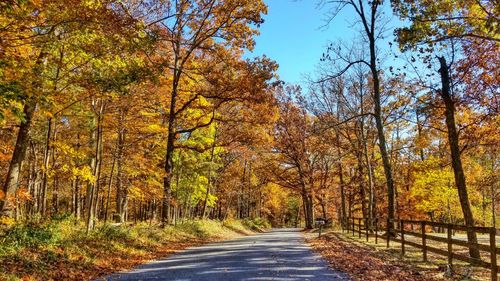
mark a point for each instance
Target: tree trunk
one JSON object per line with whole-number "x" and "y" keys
{"x": 55, "y": 190}
{"x": 342, "y": 193}
{"x": 419, "y": 134}
{"x": 22, "y": 142}
{"x": 110, "y": 183}
{"x": 493, "y": 205}
{"x": 241, "y": 197}
{"x": 96, "y": 141}
{"x": 340, "y": 170}
{"x": 11, "y": 183}
{"x": 362, "y": 191}
{"x": 121, "y": 191}
{"x": 364, "y": 143}
{"x": 77, "y": 203}
{"x": 323, "y": 206}
{"x": 32, "y": 178}
{"x": 171, "y": 132}
{"x": 456, "y": 160}
{"x": 308, "y": 209}
{"x": 45, "y": 170}
{"x": 380, "y": 130}
{"x": 212, "y": 153}
{"x": 98, "y": 168}
{"x": 169, "y": 165}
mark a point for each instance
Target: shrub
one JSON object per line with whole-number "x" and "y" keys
{"x": 257, "y": 224}
{"x": 113, "y": 232}
{"x": 29, "y": 235}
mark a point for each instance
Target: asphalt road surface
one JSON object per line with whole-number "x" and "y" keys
{"x": 281, "y": 255}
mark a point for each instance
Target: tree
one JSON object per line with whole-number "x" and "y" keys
{"x": 432, "y": 22}
{"x": 39, "y": 31}
{"x": 299, "y": 160}
{"x": 191, "y": 27}
{"x": 437, "y": 25}
{"x": 343, "y": 105}
{"x": 369, "y": 14}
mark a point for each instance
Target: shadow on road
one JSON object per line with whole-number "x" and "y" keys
{"x": 277, "y": 255}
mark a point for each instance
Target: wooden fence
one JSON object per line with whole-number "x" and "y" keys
{"x": 404, "y": 230}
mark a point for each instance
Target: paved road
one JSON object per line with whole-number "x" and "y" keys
{"x": 278, "y": 255}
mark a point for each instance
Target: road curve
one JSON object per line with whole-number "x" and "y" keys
{"x": 281, "y": 255}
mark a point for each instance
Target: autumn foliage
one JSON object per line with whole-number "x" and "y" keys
{"x": 153, "y": 111}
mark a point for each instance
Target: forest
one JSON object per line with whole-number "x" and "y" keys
{"x": 116, "y": 111}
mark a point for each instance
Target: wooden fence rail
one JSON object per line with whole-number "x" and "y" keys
{"x": 405, "y": 228}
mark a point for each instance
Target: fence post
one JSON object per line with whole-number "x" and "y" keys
{"x": 493, "y": 253}
{"x": 424, "y": 240}
{"x": 402, "y": 226}
{"x": 388, "y": 233}
{"x": 376, "y": 230}
{"x": 450, "y": 249}
{"x": 359, "y": 228}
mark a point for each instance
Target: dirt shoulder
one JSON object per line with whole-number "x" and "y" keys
{"x": 362, "y": 262}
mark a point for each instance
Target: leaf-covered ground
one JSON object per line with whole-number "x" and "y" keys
{"x": 63, "y": 251}
{"x": 361, "y": 262}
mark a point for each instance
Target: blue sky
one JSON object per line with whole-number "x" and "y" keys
{"x": 294, "y": 35}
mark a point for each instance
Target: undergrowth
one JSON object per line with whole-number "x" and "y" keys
{"x": 60, "y": 249}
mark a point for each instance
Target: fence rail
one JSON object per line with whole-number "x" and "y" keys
{"x": 404, "y": 228}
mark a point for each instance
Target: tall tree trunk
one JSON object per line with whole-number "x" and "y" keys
{"x": 371, "y": 188}
{"x": 493, "y": 206}
{"x": 169, "y": 165}
{"x": 342, "y": 193}
{"x": 419, "y": 134}
{"x": 171, "y": 132}
{"x": 22, "y": 142}
{"x": 209, "y": 186}
{"x": 11, "y": 183}
{"x": 32, "y": 178}
{"x": 96, "y": 141}
{"x": 249, "y": 191}
{"x": 98, "y": 168}
{"x": 55, "y": 191}
{"x": 242, "y": 192}
{"x": 121, "y": 190}
{"x": 394, "y": 159}
{"x": 110, "y": 183}
{"x": 372, "y": 169}
{"x": 456, "y": 160}
{"x": 323, "y": 206}
{"x": 308, "y": 209}
{"x": 45, "y": 170}
{"x": 339, "y": 167}
{"x": 380, "y": 128}
{"x": 364, "y": 143}
{"x": 78, "y": 205}
{"x": 362, "y": 191}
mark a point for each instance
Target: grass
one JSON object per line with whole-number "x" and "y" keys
{"x": 61, "y": 250}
